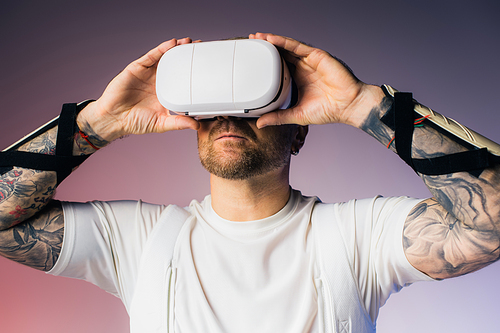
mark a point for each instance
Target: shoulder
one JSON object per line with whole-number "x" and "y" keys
{"x": 377, "y": 207}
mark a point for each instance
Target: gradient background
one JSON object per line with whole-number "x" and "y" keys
{"x": 445, "y": 52}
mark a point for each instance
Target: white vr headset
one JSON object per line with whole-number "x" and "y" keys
{"x": 241, "y": 78}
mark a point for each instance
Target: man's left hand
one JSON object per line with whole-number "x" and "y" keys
{"x": 328, "y": 91}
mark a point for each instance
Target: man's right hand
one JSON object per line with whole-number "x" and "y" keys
{"x": 129, "y": 104}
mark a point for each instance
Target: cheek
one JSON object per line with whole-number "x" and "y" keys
{"x": 203, "y": 131}
{"x": 265, "y": 134}
{"x": 275, "y": 134}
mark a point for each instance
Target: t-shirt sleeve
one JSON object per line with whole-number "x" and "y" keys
{"x": 103, "y": 243}
{"x": 374, "y": 234}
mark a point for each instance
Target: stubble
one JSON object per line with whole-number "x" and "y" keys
{"x": 240, "y": 160}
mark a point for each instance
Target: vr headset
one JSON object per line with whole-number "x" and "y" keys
{"x": 241, "y": 78}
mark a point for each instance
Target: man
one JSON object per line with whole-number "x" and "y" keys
{"x": 252, "y": 257}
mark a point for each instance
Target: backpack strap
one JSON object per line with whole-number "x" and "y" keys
{"x": 150, "y": 303}
{"x": 343, "y": 310}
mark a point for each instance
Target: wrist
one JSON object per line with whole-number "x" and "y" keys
{"x": 370, "y": 99}
{"x": 97, "y": 124}
{"x": 88, "y": 137}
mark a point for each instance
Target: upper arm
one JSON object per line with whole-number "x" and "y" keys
{"x": 37, "y": 241}
{"x": 440, "y": 245}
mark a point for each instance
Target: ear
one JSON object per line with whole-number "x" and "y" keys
{"x": 300, "y": 137}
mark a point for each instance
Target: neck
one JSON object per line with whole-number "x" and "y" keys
{"x": 250, "y": 199}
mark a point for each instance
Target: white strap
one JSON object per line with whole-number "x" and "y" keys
{"x": 343, "y": 309}
{"x": 149, "y": 308}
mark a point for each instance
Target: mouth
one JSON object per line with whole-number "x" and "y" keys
{"x": 232, "y": 129}
{"x": 230, "y": 136}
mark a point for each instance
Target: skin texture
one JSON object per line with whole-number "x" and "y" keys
{"x": 453, "y": 233}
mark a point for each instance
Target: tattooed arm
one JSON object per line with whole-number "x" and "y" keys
{"x": 458, "y": 230}
{"x": 31, "y": 226}
{"x": 37, "y": 241}
{"x": 455, "y": 232}
{"x": 31, "y": 223}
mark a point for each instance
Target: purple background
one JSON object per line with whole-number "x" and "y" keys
{"x": 445, "y": 52}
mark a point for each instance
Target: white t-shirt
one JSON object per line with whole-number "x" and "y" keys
{"x": 256, "y": 276}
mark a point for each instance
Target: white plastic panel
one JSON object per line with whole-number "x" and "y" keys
{"x": 173, "y": 79}
{"x": 212, "y": 77}
{"x": 257, "y": 70}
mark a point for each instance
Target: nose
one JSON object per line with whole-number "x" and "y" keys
{"x": 222, "y": 118}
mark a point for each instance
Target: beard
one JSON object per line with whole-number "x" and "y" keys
{"x": 236, "y": 160}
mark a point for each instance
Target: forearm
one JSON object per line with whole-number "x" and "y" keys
{"x": 428, "y": 143}
{"x": 458, "y": 230}
{"x": 24, "y": 192}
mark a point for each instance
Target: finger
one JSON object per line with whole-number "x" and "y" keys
{"x": 169, "y": 123}
{"x": 290, "y": 58}
{"x": 185, "y": 40}
{"x": 293, "y": 46}
{"x": 153, "y": 56}
{"x": 287, "y": 55}
{"x": 281, "y": 117}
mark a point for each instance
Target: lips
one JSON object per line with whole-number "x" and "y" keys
{"x": 232, "y": 129}
{"x": 230, "y": 135}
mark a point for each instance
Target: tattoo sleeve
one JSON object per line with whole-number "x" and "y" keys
{"x": 458, "y": 230}
{"x": 24, "y": 192}
{"x": 37, "y": 241}
{"x": 31, "y": 225}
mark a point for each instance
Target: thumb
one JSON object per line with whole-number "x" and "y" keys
{"x": 169, "y": 123}
{"x": 280, "y": 117}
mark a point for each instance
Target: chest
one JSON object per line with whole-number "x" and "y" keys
{"x": 260, "y": 282}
